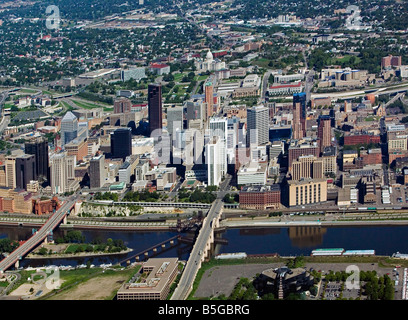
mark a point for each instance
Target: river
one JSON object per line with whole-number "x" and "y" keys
{"x": 385, "y": 240}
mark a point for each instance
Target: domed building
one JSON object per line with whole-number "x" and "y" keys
{"x": 209, "y": 64}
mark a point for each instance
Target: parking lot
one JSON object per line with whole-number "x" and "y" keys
{"x": 222, "y": 279}
{"x": 333, "y": 289}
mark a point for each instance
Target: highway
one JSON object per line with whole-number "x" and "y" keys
{"x": 38, "y": 237}
{"x": 192, "y": 265}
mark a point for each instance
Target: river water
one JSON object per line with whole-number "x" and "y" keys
{"x": 385, "y": 240}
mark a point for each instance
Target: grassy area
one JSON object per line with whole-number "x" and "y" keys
{"x": 73, "y": 278}
{"x": 345, "y": 59}
{"x": 262, "y": 63}
{"x": 179, "y": 76}
{"x": 200, "y": 78}
{"x": 27, "y": 91}
{"x": 88, "y": 105}
{"x": 372, "y": 118}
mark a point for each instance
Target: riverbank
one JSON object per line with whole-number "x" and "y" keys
{"x": 76, "y": 255}
{"x": 69, "y": 250}
{"x": 270, "y": 222}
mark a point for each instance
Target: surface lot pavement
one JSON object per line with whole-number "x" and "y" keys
{"x": 222, "y": 279}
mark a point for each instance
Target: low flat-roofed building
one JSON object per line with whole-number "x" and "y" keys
{"x": 260, "y": 197}
{"x": 160, "y": 272}
{"x": 253, "y": 173}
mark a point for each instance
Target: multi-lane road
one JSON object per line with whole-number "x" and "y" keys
{"x": 192, "y": 266}
{"x": 39, "y": 236}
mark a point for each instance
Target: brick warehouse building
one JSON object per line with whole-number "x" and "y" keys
{"x": 260, "y": 197}
{"x": 360, "y": 139}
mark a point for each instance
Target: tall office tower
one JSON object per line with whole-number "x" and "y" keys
{"x": 155, "y": 107}
{"x": 218, "y": 128}
{"x": 209, "y": 98}
{"x": 257, "y": 125}
{"x": 25, "y": 170}
{"x": 97, "y": 172}
{"x": 39, "y": 148}
{"x": 62, "y": 172}
{"x": 214, "y": 160}
{"x": 297, "y": 132}
{"x": 174, "y": 120}
{"x": 299, "y": 101}
{"x": 121, "y": 143}
{"x": 11, "y": 172}
{"x": 307, "y": 167}
{"x": 347, "y": 106}
{"x": 232, "y": 138}
{"x": 122, "y": 105}
{"x": 324, "y": 132}
{"x": 195, "y": 109}
{"x": 69, "y": 128}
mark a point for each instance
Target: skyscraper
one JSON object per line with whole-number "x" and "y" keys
{"x": 122, "y": 105}
{"x": 97, "y": 171}
{"x": 121, "y": 143}
{"x": 25, "y": 170}
{"x": 39, "y": 148}
{"x": 155, "y": 107}
{"x": 219, "y": 128}
{"x": 299, "y": 102}
{"x": 257, "y": 125}
{"x": 62, "y": 168}
{"x": 69, "y": 128}
{"x": 324, "y": 132}
{"x": 11, "y": 172}
{"x": 209, "y": 98}
{"x": 174, "y": 120}
{"x": 214, "y": 160}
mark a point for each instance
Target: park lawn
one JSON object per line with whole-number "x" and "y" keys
{"x": 201, "y": 78}
{"x": 344, "y": 59}
{"x": 262, "y": 63}
{"x": 179, "y": 76}
{"x": 73, "y": 247}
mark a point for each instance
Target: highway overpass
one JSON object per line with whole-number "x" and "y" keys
{"x": 54, "y": 220}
